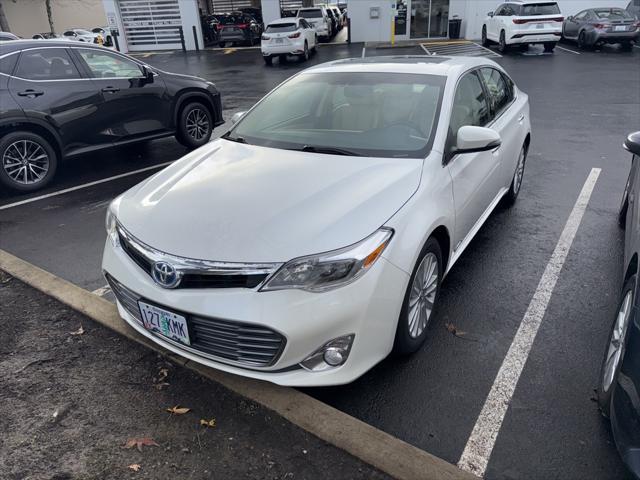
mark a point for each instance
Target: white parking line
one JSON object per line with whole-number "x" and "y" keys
{"x": 567, "y": 50}
{"x": 477, "y": 452}
{"x": 102, "y": 291}
{"x": 84, "y": 185}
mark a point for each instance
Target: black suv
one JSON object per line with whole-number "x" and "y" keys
{"x": 60, "y": 99}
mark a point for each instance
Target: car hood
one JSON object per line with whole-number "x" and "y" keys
{"x": 243, "y": 203}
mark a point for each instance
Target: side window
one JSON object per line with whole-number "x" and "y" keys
{"x": 8, "y": 63}
{"x": 507, "y": 11}
{"x": 499, "y": 11}
{"x": 46, "y": 64}
{"x": 69, "y": 33}
{"x": 107, "y": 65}
{"x": 581, "y": 15}
{"x": 469, "y": 105}
{"x": 499, "y": 92}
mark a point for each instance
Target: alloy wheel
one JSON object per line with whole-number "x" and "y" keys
{"x": 26, "y": 162}
{"x": 197, "y": 124}
{"x": 616, "y": 342}
{"x": 423, "y": 295}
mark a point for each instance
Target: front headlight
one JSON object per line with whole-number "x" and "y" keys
{"x": 111, "y": 222}
{"x": 318, "y": 273}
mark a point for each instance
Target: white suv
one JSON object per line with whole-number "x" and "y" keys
{"x": 523, "y": 23}
{"x": 288, "y": 36}
{"x": 319, "y": 20}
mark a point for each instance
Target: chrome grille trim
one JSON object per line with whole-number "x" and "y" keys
{"x": 197, "y": 273}
{"x": 225, "y": 341}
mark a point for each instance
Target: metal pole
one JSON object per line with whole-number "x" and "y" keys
{"x": 195, "y": 37}
{"x": 184, "y": 48}
{"x": 348, "y": 30}
{"x": 114, "y": 35}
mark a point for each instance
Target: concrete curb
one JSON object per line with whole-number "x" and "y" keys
{"x": 375, "y": 447}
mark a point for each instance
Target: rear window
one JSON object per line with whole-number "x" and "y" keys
{"x": 231, "y": 19}
{"x": 531, "y": 9}
{"x": 314, "y": 13}
{"x": 281, "y": 28}
{"x": 612, "y": 13}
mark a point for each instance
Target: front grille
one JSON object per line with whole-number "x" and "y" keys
{"x": 223, "y": 340}
{"x": 190, "y": 279}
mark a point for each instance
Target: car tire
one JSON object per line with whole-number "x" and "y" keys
{"x": 195, "y": 125}
{"x": 502, "y": 44}
{"x": 485, "y": 40}
{"x": 624, "y": 205}
{"x": 549, "y": 46}
{"x": 22, "y": 152}
{"x": 614, "y": 351}
{"x": 315, "y": 45}
{"x": 305, "y": 55}
{"x": 516, "y": 183}
{"x": 268, "y": 60}
{"x": 412, "y": 328}
{"x": 582, "y": 41}
{"x": 282, "y": 58}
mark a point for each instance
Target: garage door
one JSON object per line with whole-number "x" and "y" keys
{"x": 151, "y": 24}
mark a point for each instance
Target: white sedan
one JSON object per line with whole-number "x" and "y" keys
{"x": 81, "y": 35}
{"x": 311, "y": 240}
{"x": 288, "y": 36}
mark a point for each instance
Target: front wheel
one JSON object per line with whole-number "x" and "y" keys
{"x": 268, "y": 60}
{"x": 516, "y": 183}
{"x": 195, "y": 125}
{"x": 549, "y": 47}
{"x": 28, "y": 162}
{"x": 582, "y": 41}
{"x": 614, "y": 353}
{"x": 420, "y": 300}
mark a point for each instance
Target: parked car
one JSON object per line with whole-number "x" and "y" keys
{"x": 319, "y": 19}
{"x": 46, "y": 36}
{"x": 596, "y": 26}
{"x": 82, "y": 35}
{"x": 254, "y": 12}
{"x": 6, "y": 36}
{"x": 49, "y": 111}
{"x": 106, "y": 35}
{"x": 288, "y": 36}
{"x": 238, "y": 27}
{"x": 312, "y": 239}
{"x": 523, "y": 23}
{"x": 619, "y": 384}
{"x": 334, "y": 20}
{"x": 339, "y": 16}
{"x": 634, "y": 8}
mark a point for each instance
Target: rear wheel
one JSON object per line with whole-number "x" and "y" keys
{"x": 195, "y": 125}
{"x": 28, "y": 162}
{"x": 582, "y": 41}
{"x": 626, "y": 46}
{"x": 502, "y": 44}
{"x": 485, "y": 40}
{"x": 516, "y": 184}
{"x": 549, "y": 46}
{"x": 421, "y": 299}
{"x": 268, "y": 60}
{"x": 305, "y": 54}
{"x": 614, "y": 353}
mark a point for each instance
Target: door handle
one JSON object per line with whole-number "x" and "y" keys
{"x": 110, "y": 89}
{"x": 30, "y": 93}
{"x": 521, "y": 118}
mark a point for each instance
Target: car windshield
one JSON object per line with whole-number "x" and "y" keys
{"x": 281, "y": 27}
{"x": 532, "y": 9}
{"x": 369, "y": 114}
{"x": 314, "y": 13}
{"x": 612, "y": 14}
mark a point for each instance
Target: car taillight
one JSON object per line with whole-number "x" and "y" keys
{"x": 219, "y": 26}
{"x": 601, "y": 26}
{"x": 295, "y": 35}
{"x": 266, "y": 37}
{"x": 517, "y": 21}
{"x": 242, "y": 25}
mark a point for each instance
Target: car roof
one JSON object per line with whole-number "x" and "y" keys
{"x": 17, "y": 45}
{"x": 418, "y": 64}
{"x": 284, "y": 20}
{"x": 526, "y": 2}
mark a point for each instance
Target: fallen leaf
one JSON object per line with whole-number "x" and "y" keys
{"x": 79, "y": 331}
{"x": 134, "y": 466}
{"x": 208, "y": 423}
{"x": 451, "y": 328}
{"x": 140, "y": 442}
{"x": 177, "y": 410}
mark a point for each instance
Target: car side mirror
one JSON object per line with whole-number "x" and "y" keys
{"x": 570, "y": 18}
{"x": 490, "y": 14}
{"x": 476, "y": 139}
{"x": 632, "y": 143}
{"x": 147, "y": 73}
{"x": 237, "y": 116}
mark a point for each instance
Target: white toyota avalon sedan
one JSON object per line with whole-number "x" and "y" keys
{"x": 311, "y": 240}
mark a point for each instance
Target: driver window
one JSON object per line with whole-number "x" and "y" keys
{"x": 107, "y": 65}
{"x": 469, "y": 106}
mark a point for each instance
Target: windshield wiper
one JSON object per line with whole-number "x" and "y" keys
{"x": 327, "y": 150}
{"x": 227, "y": 136}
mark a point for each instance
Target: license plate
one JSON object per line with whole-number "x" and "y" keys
{"x": 279, "y": 40}
{"x": 164, "y": 322}
{"x": 620, "y": 28}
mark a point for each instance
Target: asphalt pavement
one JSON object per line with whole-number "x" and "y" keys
{"x": 583, "y": 104}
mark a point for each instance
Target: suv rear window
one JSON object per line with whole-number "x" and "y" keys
{"x": 281, "y": 28}
{"x": 231, "y": 19}
{"x": 531, "y": 9}
{"x": 314, "y": 13}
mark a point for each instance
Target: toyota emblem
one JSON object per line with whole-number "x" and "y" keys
{"x": 165, "y": 275}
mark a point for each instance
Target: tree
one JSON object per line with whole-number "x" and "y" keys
{"x": 47, "y": 4}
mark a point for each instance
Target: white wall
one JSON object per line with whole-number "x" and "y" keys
{"x": 190, "y": 18}
{"x": 366, "y": 29}
{"x": 270, "y": 10}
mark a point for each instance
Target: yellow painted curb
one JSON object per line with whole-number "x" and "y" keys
{"x": 375, "y": 447}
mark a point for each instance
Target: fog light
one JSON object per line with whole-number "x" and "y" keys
{"x": 332, "y": 354}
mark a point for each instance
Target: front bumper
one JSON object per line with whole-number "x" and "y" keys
{"x": 368, "y": 308}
